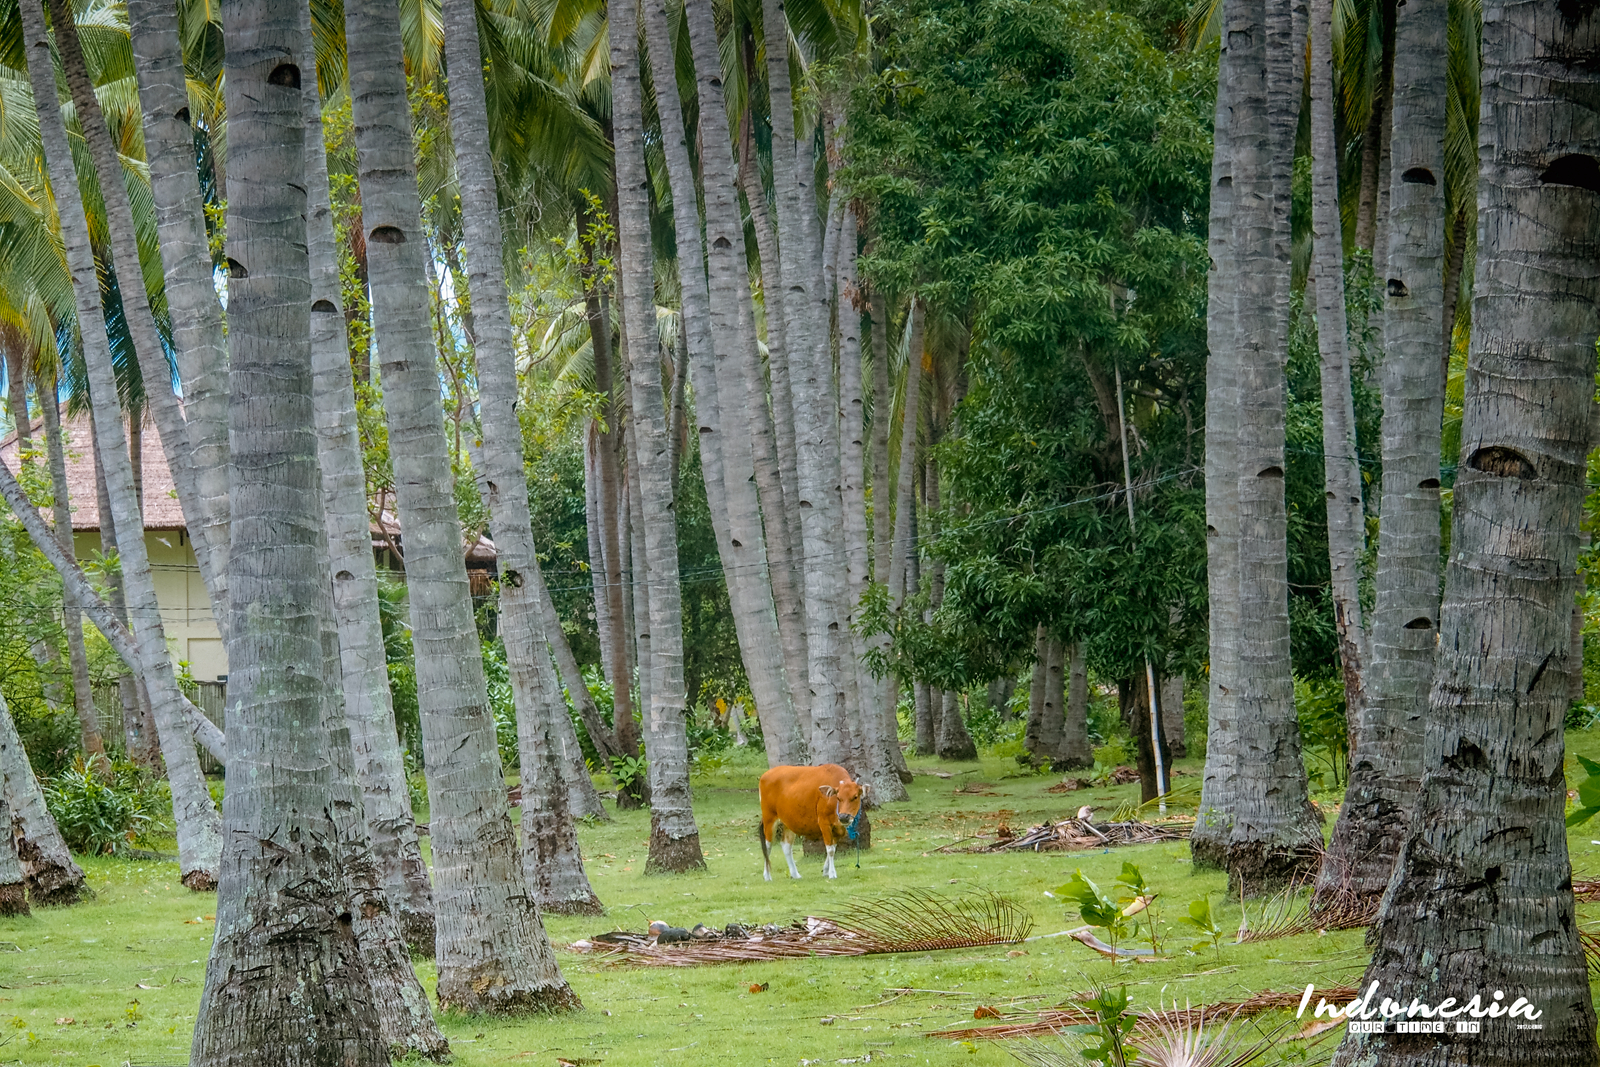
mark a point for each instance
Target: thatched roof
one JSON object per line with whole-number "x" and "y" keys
{"x": 161, "y": 508}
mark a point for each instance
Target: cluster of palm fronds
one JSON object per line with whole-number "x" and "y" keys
{"x": 914, "y": 921}
{"x": 1070, "y": 835}
{"x": 1080, "y": 1012}
{"x": 1297, "y": 910}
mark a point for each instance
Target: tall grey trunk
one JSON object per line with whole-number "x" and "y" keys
{"x": 270, "y": 998}
{"x": 773, "y": 429}
{"x": 741, "y": 386}
{"x": 1172, "y": 715}
{"x": 1481, "y": 895}
{"x": 1219, "y": 787}
{"x": 492, "y": 950}
{"x": 550, "y": 856}
{"x": 47, "y": 866}
{"x": 951, "y": 739}
{"x": 1075, "y": 748}
{"x": 887, "y": 692}
{"x": 674, "y": 837}
{"x": 726, "y": 458}
{"x": 368, "y": 705}
{"x": 1046, "y": 722}
{"x": 784, "y": 509}
{"x": 1386, "y": 763}
{"x": 829, "y": 653}
{"x": 196, "y": 314}
{"x": 199, "y": 841}
{"x": 1275, "y": 835}
{"x": 94, "y": 745}
{"x": 210, "y": 540}
{"x": 13, "y": 887}
{"x": 1341, "y": 464}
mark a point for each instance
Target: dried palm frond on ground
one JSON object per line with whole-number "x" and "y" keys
{"x": 1286, "y": 914}
{"x": 914, "y": 921}
{"x": 1051, "y": 1020}
{"x": 1587, "y": 890}
{"x": 1071, "y": 835}
{"x": 1591, "y": 950}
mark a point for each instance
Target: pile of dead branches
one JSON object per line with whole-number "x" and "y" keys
{"x": 914, "y": 921}
{"x": 1054, "y": 1020}
{"x": 1070, "y": 835}
{"x": 1587, "y": 890}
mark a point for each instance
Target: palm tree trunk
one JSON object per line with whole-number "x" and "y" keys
{"x": 1076, "y": 751}
{"x": 192, "y": 304}
{"x": 1219, "y": 786}
{"x": 13, "y": 887}
{"x": 1341, "y": 463}
{"x": 551, "y": 861}
{"x": 611, "y": 504}
{"x": 773, "y": 429}
{"x": 726, "y": 458}
{"x": 879, "y": 746}
{"x": 1172, "y": 715}
{"x": 582, "y": 796}
{"x": 277, "y": 867}
{"x": 47, "y": 865}
{"x": 492, "y": 950}
{"x": 1035, "y": 731}
{"x": 199, "y": 840}
{"x": 887, "y": 690}
{"x": 1386, "y": 765}
{"x": 778, "y": 356}
{"x": 367, "y": 702}
{"x": 94, "y": 745}
{"x": 1275, "y": 835}
{"x": 209, "y": 531}
{"x": 674, "y": 837}
{"x": 816, "y": 437}
{"x": 1481, "y": 896}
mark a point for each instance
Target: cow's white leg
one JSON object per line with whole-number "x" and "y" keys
{"x": 827, "y": 865}
{"x": 788, "y": 854}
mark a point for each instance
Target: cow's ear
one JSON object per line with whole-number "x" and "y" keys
{"x": 865, "y": 789}
{"x": 827, "y": 790}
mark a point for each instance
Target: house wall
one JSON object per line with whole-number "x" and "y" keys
{"x": 191, "y": 630}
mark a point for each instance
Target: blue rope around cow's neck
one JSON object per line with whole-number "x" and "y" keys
{"x": 852, "y": 831}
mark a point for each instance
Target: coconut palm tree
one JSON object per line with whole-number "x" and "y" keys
{"x": 1341, "y": 463}
{"x": 190, "y": 291}
{"x": 367, "y": 702}
{"x": 1387, "y": 746}
{"x": 1274, "y": 834}
{"x": 674, "y": 837}
{"x": 551, "y": 862}
{"x": 721, "y": 348}
{"x": 278, "y": 867}
{"x": 1481, "y": 896}
{"x": 47, "y": 866}
{"x": 803, "y": 307}
{"x": 199, "y": 842}
{"x": 210, "y": 538}
{"x": 492, "y": 950}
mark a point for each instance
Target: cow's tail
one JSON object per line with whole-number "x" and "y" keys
{"x": 761, "y": 835}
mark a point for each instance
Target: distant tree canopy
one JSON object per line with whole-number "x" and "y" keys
{"x": 1036, "y": 175}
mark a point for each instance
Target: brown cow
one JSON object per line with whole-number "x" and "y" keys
{"x": 807, "y": 802}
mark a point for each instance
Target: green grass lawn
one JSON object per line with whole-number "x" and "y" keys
{"x": 127, "y": 967}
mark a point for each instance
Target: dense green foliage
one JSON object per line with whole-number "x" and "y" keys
{"x": 1036, "y": 173}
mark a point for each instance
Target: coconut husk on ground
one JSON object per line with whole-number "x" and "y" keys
{"x": 916, "y": 921}
{"x": 1051, "y": 1020}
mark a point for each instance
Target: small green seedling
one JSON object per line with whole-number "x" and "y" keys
{"x": 1204, "y": 920}
{"x": 1112, "y": 1025}
{"x": 1588, "y": 794}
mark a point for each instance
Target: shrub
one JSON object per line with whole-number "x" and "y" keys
{"x": 106, "y": 815}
